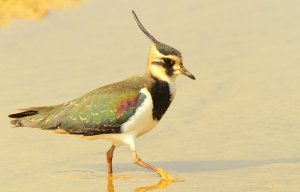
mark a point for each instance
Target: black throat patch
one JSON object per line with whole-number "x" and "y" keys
{"x": 161, "y": 96}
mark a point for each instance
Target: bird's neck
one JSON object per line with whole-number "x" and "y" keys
{"x": 162, "y": 93}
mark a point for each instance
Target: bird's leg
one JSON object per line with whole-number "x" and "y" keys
{"x": 109, "y": 157}
{"x": 161, "y": 172}
{"x": 139, "y": 162}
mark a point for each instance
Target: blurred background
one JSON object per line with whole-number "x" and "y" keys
{"x": 236, "y": 128}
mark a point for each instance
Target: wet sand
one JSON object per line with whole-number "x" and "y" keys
{"x": 236, "y": 128}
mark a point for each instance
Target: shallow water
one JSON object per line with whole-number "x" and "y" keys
{"x": 236, "y": 128}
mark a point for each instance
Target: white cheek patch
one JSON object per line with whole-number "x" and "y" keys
{"x": 159, "y": 72}
{"x": 176, "y": 72}
{"x": 176, "y": 67}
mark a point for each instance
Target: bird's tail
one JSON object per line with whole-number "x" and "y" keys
{"x": 41, "y": 117}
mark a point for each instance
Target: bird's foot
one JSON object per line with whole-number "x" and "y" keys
{"x": 166, "y": 176}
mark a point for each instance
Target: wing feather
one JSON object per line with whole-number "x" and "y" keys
{"x": 103, "y": 110}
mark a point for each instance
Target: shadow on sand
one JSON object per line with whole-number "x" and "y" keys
{"x": 208, "y": 165}
{"x": 218, "y": 165}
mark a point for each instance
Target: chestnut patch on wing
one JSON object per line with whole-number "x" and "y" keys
{"x": 125, "y": 105}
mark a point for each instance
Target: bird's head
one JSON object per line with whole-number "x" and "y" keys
{"x": 164, "y": 62}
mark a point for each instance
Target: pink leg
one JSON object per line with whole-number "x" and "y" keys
{"x": 141, "y": 163}
{"x": 109, "y": 157}
{"x": 161, "y": 172}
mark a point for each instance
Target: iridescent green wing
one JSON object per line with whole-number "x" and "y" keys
{"x": 103, "y": 110}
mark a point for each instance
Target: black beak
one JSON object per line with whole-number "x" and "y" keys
{"x": 185, "y": 72}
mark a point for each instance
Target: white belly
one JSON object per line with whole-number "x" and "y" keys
{"x": 141, "y": 122}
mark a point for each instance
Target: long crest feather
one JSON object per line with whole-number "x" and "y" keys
{"x": 144, "y": 29}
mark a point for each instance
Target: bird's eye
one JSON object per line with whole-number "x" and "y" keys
{"x": 168, "y": 62}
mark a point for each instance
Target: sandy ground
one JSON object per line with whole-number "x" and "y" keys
{"x": 237, "y": 128}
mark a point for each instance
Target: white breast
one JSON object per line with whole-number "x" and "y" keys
{"x": 141, "y": 122}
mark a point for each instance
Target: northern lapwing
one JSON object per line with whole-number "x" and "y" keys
{"x": 120, "y": 111}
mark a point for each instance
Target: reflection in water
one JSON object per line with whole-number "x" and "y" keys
{"x": 91, "y": 175}
{"x": 30, "y": 9}
{"x": 162, "y": 184}
{"x": 110, "y": 184}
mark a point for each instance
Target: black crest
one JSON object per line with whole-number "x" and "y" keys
{"x": 162, "y": 48}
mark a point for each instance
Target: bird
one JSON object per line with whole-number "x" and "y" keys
{"x": 120, "y": 111}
